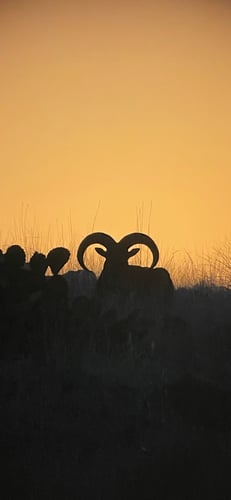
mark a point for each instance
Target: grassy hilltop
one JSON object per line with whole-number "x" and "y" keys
{"x": 122, "y": 410}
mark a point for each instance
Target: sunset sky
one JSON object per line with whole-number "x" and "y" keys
{"x": 116, "y": 115}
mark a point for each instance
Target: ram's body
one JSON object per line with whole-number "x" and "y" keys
{"x": 141, "y": 280}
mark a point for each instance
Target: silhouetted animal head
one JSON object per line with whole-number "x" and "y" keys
{"x": 14, "y": 257}
{"x": 117, "y": 254}
{"x": 38, "y": 263}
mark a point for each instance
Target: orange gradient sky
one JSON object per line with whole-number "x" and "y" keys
{"x": 113, "y": 109}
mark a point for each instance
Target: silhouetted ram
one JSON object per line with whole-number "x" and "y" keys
{"x": 117, "y": 276}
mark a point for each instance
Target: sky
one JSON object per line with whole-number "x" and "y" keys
{"x": 115, "y": 116}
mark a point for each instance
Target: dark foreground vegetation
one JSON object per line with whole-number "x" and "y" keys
{"x": 102, "y": 401}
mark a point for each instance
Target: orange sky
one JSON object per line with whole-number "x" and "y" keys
{"x": 113, "y": 109}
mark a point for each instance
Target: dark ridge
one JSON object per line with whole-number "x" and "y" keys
{"x": 111, "y": 394}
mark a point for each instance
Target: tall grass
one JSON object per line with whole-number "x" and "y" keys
{"x": 212, "y": 268}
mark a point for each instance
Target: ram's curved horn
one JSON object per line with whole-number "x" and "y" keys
{"x": 141, "y": 238}
{"x": 101, "y": 238}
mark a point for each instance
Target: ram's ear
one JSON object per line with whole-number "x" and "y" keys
{"x": 132, "y": 252}
{"x": 101, "y": 251}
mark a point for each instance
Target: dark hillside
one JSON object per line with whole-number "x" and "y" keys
{"x": 98, "y": 406}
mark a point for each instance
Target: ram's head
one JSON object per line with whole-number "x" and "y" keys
{"x": 118, "y": 253}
